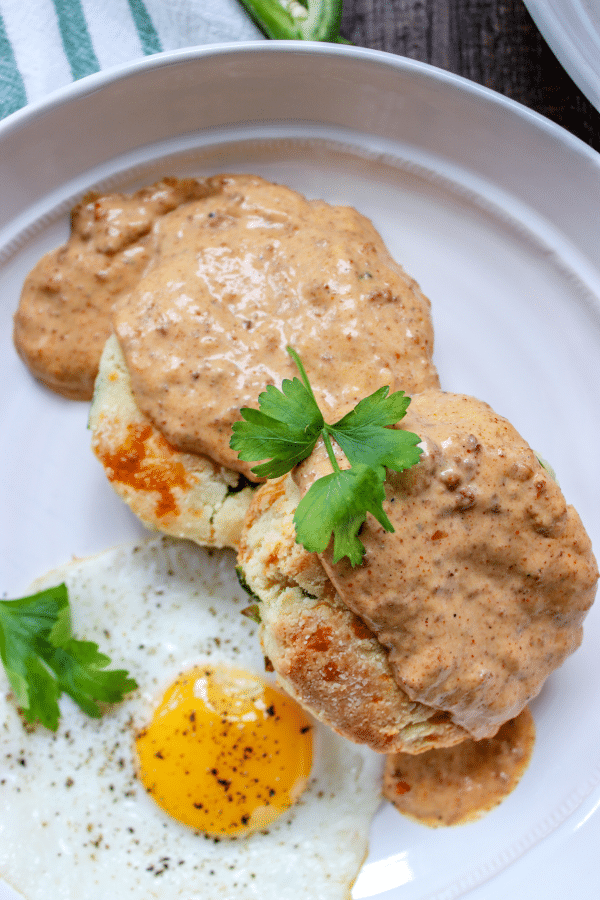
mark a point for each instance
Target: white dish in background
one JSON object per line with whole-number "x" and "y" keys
{"x": 492, "y": 208}
{"x": 572, "y": 30}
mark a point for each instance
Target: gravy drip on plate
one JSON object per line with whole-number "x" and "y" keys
{"x": 482, "y": 589}
{"x": 456, "y": 785}
{"x": 245, "y": 272}
{"x": 64, "y": 315}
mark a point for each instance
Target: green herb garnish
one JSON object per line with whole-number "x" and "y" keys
{"x": 297, "y": 20}
{"x": 284, "y": 431}
{"x": 42, "y": 659}
{"x": 546, "y": 465}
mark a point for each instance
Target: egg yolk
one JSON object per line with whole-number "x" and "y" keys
{"x": 225, "y": 753}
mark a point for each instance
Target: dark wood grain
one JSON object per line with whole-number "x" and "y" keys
{"x": 492, "y": 42}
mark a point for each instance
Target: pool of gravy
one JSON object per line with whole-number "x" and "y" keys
{"x": 64, "y": 316}
{"x": 456, "y": 785}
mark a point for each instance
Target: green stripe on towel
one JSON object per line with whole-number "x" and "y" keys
{"x": 147, "y": 32}
{"x": 76, "y": 38}
{"x": 12, "y": 89}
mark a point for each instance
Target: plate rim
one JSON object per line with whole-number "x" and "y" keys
{"x": 545, "y": 167}
{"x": 97, "y": 81}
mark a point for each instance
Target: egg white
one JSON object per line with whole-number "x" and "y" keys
{"x": 74, "y": 820}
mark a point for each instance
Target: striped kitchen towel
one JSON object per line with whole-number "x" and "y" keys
{"x": 45, "y": 44}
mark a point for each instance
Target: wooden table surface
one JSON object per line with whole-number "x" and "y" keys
{"x": 492, "y": 42}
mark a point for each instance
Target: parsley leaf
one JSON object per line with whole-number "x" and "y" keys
{"x": 337, "y": 504}
{"x": 365, "y": 438}
{"x": 284, "y": 431}
{"x": 42, "y": 659}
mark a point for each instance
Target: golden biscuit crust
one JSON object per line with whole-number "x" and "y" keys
{"x": 323, "y": 654}
{"x": 181, "y": 494}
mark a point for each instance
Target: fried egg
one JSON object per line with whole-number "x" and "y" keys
{"x": 105, "y": 808}
{"x": 225, "y": 753}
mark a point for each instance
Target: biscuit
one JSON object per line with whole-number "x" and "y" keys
{"x": 181, "y": 494}
{"x": 323, "y": 654}
{"x": 480, "y": 590}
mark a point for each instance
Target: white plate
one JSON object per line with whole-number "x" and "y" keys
{"x": 491, "y": 207}
{"x": 572, "y": 29}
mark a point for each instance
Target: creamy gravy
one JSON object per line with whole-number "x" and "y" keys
{"x": 481, "y": 591}
{"x": 65, "y": 312}
{"x": 245, "y": 272}
{"x": 206, "y": 282}
{"x": 460, "y": 784}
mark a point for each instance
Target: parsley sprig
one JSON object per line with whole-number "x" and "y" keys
{"x": 285, "y": 429}
{"x": 42, "y": 659}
